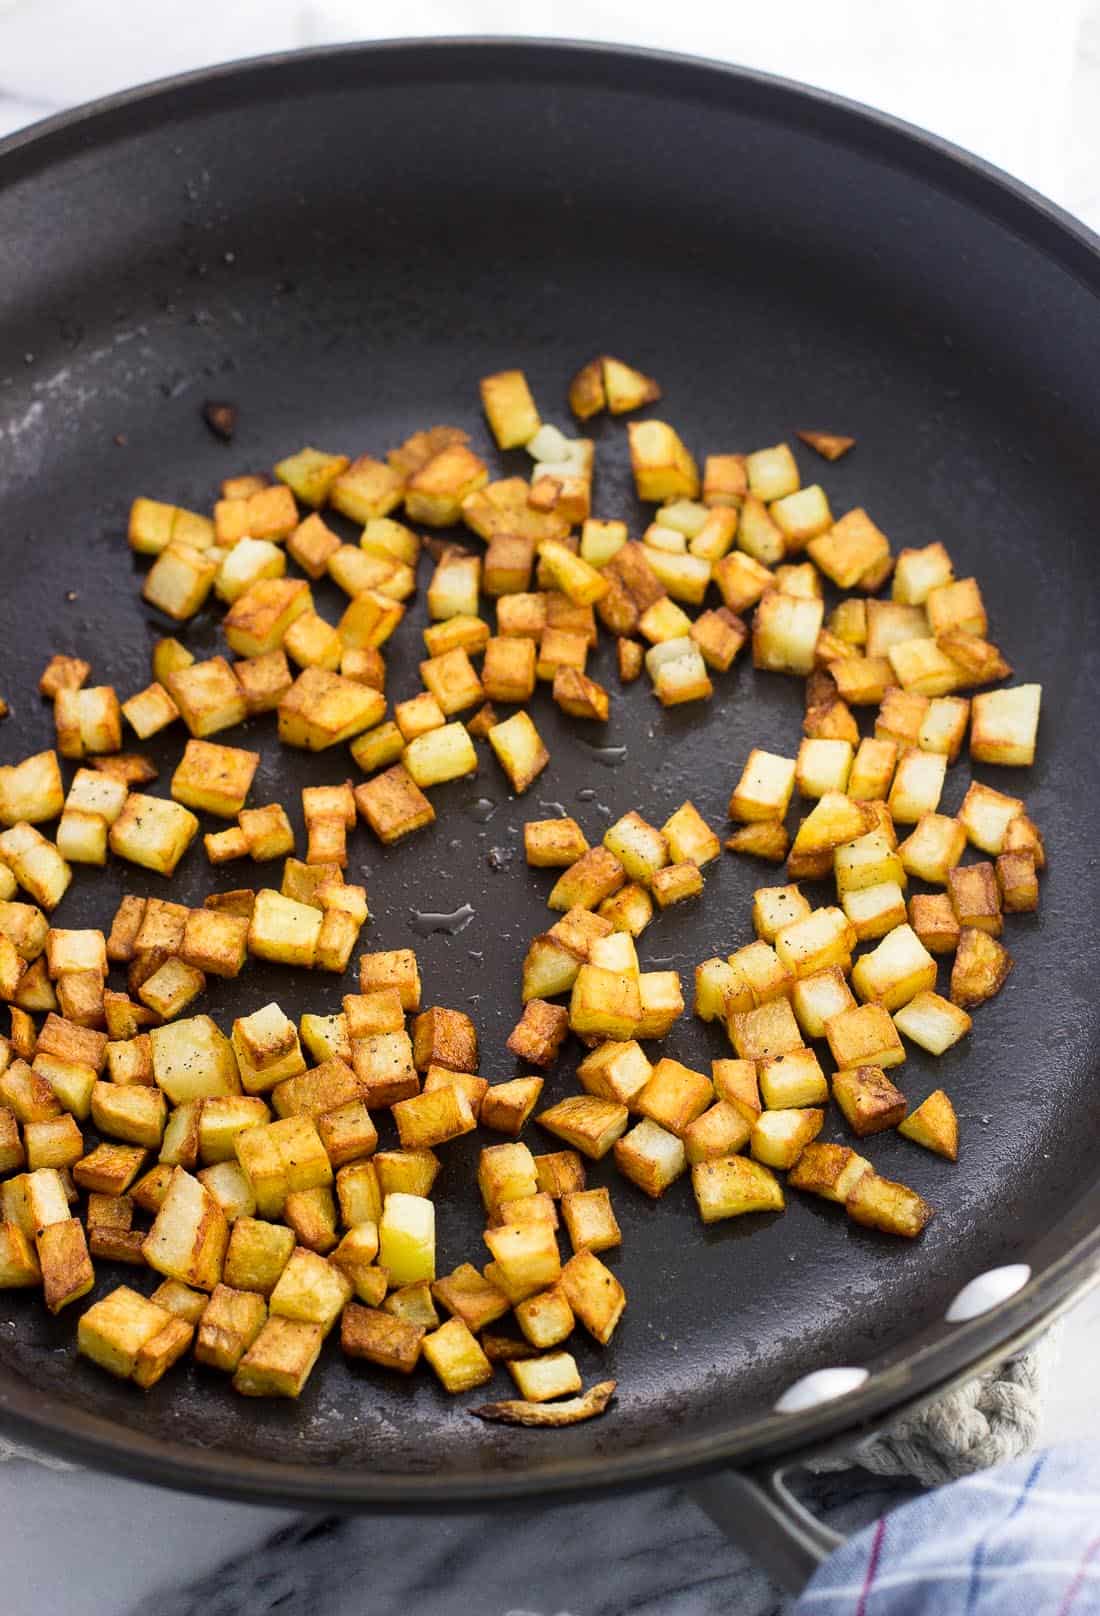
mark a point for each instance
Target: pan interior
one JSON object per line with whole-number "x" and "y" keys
{"x": 341, "y": 249}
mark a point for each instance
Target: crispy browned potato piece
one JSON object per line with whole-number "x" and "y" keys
{"x": 571, "y": 1411}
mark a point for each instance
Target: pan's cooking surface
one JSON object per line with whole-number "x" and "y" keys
{"x": 342, "y": 248}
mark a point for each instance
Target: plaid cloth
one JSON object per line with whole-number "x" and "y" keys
{"x": 1023, "y": 1540}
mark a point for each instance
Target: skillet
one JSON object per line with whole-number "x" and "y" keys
{"x": 340, "y": 242}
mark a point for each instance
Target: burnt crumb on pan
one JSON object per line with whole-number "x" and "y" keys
{"x": 121, "y": 441}
{"x": 221, "y": 418}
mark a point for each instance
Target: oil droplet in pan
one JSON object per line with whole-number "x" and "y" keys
{"x": 612, "y": 757}
{"x": 482, "y": 809}
{"x": 425, "y": 924}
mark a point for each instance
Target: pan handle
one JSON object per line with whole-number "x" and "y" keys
{"x": 758, "y": 1511}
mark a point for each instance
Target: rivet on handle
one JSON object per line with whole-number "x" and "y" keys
{"x": 987, "y": 1291}
{"x": 820, "y": 1387}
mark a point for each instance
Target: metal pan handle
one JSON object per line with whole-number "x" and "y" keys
{"x": 757, "y": 1510}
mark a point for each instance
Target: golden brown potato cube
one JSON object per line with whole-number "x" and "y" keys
{"x": 720, "y": 1131}
{"x": 114, "y": 1330}
{"x": 592, "y": 1225}
{"x": 313, "y": 643}
{"x": 505, "y": 1173}
{"x": 920, "y": 571}
{"x": 230, "y": 1323}
{"x": 599, "y": 873}
{"x": 956, "y": 605}
{"x": 63, "y": 673}
{"x": 393, "y": 805}
{"x": 735, "y": 1081}
{"x": 180, "y": 1300}
{"x": 436, "y": 491}
{"x": 31, "y": 791}
{"x": 526, "y": 1256}
{"x": 559, "y": 1173}
{"x": 433, "y": 1118}
{"x": 830, "y": 1171}
{"x": 263, "y": 680}
{"x": 347, "y": 1133}
{"x": 267, "y": 832}
{"x": 150, "y": 711}
{"x": 378, "y": 747}
{"x": 675, "y": 883}
{"x": 384, "y": 1068}
{"x": 934, "y": 1125}
{"x": 280, "y": 1360}
{"x": 208, "y": 695}
{"x": 18, "y": 1262}
{"x": 505, "y": 1107}
{"x": 522, "y": 616}
{"x": 420, "y": 715}
{"x": 189, "y": 1234}
{"x": 381, "y": 1338}
{"x": 59, "y": 1037}
{"x": 933, "y": 918}
{"x": 794, "y": 1080}
{"x": 67, "y": 1272}
{"x": 730, "y": 1186}
{"x": 651, "y": 1157}
{"x": 158, "y": 1355}
{"x": 1004, "y": 726}
{"x": 862, "y": 681}
{"x": 30, "y": 1093}
{"x": 452, "y": 680}
{"x": 764, "y": 790}
{"x": 864, "y": 1036}
{"x": 976, "y": 897}
{"x": 761, "y": 839}
{"x": 537, "y": 1036}
{"x": 57, "y": 1142}
{"x": 153, "y": 832}
{"x": 587, "y": 1122}
{"x": 311, "y": 544}
{"x": 895, "y": 971}
{"x": 553, "y": 843}
{"x": 509, "y": 560}
{"x": 872, "y": 769}
{"x": 880, "y": 1203}
{"x": 674, "y": 1095}
{"x": 765, "y": 1032}
{"x": 257, "y": 1254}
{"x": 616, "y": 1071}
{"x": 366, "y": 489}
{"x": 605, "y": 1002}
{"x": 321, "y": 709}
{"x": 944, "y": 726}
{"x": 508, "y": 673}
{"x": 378, "y": 1011}
{"x": 133, "y": 1113}
{"x": 546, "y": 1320}
{"x": 11, "y": 1147}
{"x": 817, "y": 997}
{"x": 850, "y": 549}
{"x": 580, "y": 696}
{"x": 875, "y": 911}
{"x": 784, "y": 632}
{"x": 310, "y": 1289}
{"x": 933, "y": 1022}
{"x": 267, "y": 1049}
{"x": 664, "y": 469}
{"x": 414, "y": 1304}
{"x": 980, "y": 968}
{"x": 725, "y": 480}
{"x": 868, "y": 1099}
{"x": 934, "y": 848}
{"x": 365, "y": 665}
{"x": 312, "y": 1216}
{"x": 280, "y": 1157}
{"x": 985, "y": 816}
{"x": 396, "y": 968}
{"x": 179, "y": 581}
{"x": 918, "y": 785}
{"x": 36, "y": 864}
{"x": 1018, "y": 882}
{"x": 469, "y": 1297}
{"x": 453, "y": 1352}
{"x": 779, "y": 1137}
{"x": 110, "y": 1169}
{"x": 283, "y": 930}
{"x": 594, "y": 1294}
{"x": 310, "y": 474}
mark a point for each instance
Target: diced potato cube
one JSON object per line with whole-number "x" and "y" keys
{"x": 864, "y": 1036}
{"x": 880, "y": 1203}
{"x": 934, "y": 1125}
{"x": 1004, "y": 725}
{"x": 729, "y": 1186}
{"x": 189, "y": 1234}
{"x": 594, "y": 1294}
{"x": 896, "y": 971}
{"x": 830, "y": 1171}
{"x": 779, "y": 1137}
{"x": 279, "y": 1361}
{"x": 664, "y": 469}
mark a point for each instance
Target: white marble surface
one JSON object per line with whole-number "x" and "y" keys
{"x": 74, "y": 1545}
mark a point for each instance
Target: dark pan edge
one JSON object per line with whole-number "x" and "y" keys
{"x": 86, "y": 1438}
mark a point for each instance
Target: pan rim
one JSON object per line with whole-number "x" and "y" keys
{"x": 80, "y": 1435}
